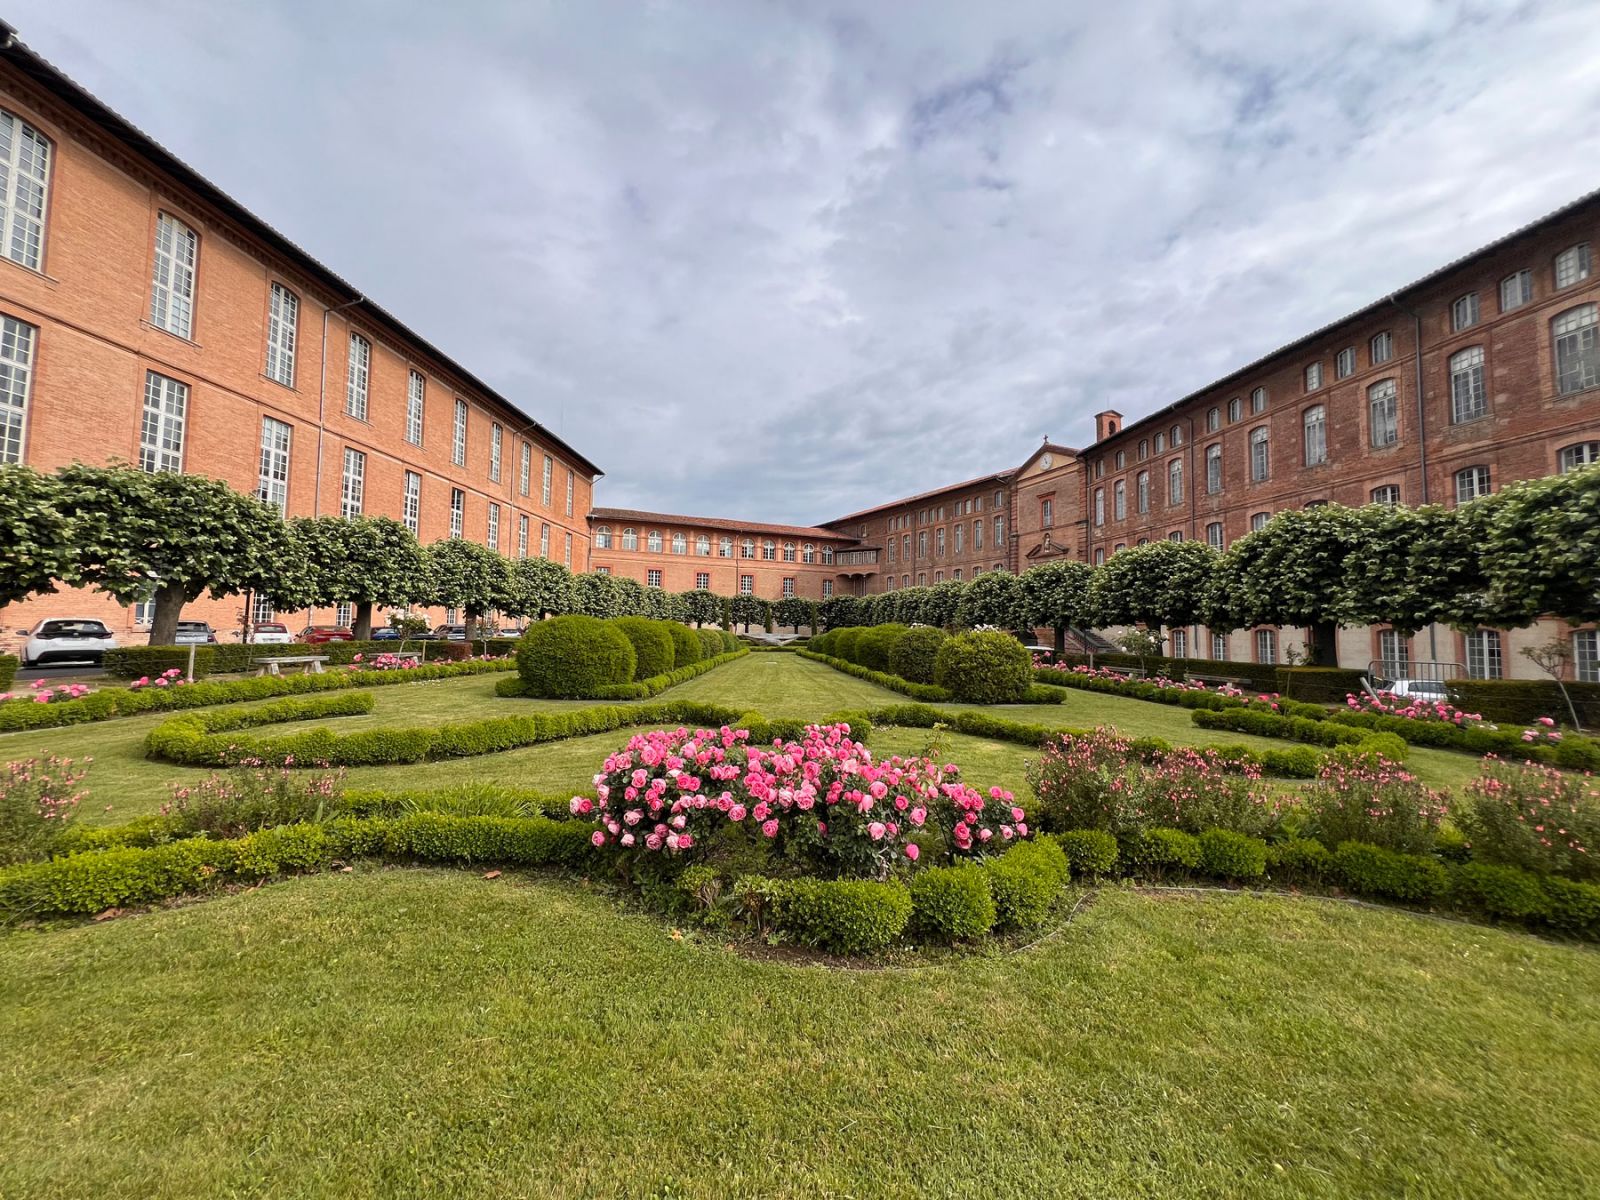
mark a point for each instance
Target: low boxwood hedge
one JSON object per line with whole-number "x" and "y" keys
{"x": 1091, "y": 852}
{"x": 1160, "y": 852}
{"x": 1238, "y": 857}
{"x": 1275, "y": 725}
{"x": 644, "y": 689}
{"x": 137, "y": 662}
{"x": 952, "y": 904}
{"x": 1574, "y": 751}
{"x": 1025, "y": 882}
{"x": 8, "y": 669}
{"x": 919, "y": 691}
{"x": 652, "y": 645}
{"x": 1375, "y": 871}
{"x": 1524, "y": 701}
{"x": 844, "y": 916}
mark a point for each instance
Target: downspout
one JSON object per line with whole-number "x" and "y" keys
{"x": 322, "y": 400}
{"x": 1422, "y": 435}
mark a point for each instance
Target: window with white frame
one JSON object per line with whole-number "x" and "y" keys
{"x": 492, "y": 540}
{"x": 1468, "y": 401}
{"x": 358, "y": 372}
{"x": 1099, "y": 506}
{"x": 416, "y": 397}
{"x": 1213, "y": 469}
{"x": 1471, "y": 483}
{"x": 747, "y": 585}
{"x": 1515, "y": 291}
{"x": 1177, "y": 436}
{"x": 1180, "y": 643}
{"x": 283, "y": 324}
{"x": 1175, "y": 481}
{"x": 1175, "y": 536}
{"x": 546, "y": 480}
{"x": 1141, "y": 492}
{"x": 1313, "y": 376}
{"x": 566, "y": 549}
{"x": 522, "y": 535}
{"x": 1235, "y": 409}
{"x": 166, "y": 404}
{"x": 525, "y": 469}
{"x": 1383, "y": 413}
{"x": 788, "y": 552}
{"x": 1315, "y": 426}
{"x": 1119, "y": 499}
{"x": 261, "y": 609}
{"x": 1344, "y": 363}
{"x": 602, "y": 537}
{"x": 1260, "y": 455}
{"x": 1576, "y": 334}
{"x": 1121, "y": 461}
{"x": 725, "y": 547}
{"x": 1047, "y": 510}
{"x": 1579, "y": 454}
{"x": 1161, "y": 443}
{"x": 353, "y": 483}
{"x": 172, "y": 284}
{"x": 1258, "y": 400}
{"x": 411, "y": 502}
{"x": 458, "y": 435}
{"x": 343, "y": 613}
{"x": 1266, "y": 646}
{"x": 922, "y": 543}
{"x": 1214, "y": 535}
{"x": 1219, "y": 647}
{"x": 652, "y": 578}
{"x": 272, "y": 481}
{"x": 999, "y": 533}
{"x": 958, "y": 534}
{"x": 1381, "y": 348}
{"x": 827, "y": 588}
{"x": 1484, "y": 655}
{"x": 702, "y": 546}
{"x": 827, "y": 555}
{"x": 1394, "y": 653}
{"x": 1572, "y": 265}
{"x": 450, "y": 614}
{"x": 1213, "y": 419}
{"x": 769, "y": 550}
{"x": 788, "y": 587}
{"x": 680, "y": 543}
{"x": 653, "y": 542}
{"x": 1258, "y": 521}
{"x": 630, "y": 539}
{"x": 702, "y": 581}
{"x": 496, "y": 437}
{"x": 1464, "y": 312}
{"x": 1099, "y": 557}
{"x": 16, "y": 385}
{"x": 747, "y": 548}
{"x": 572, "y": 483}
{"x": 602, "y": 570}
{"x": 544, "y": 541}
{"x": 977, "y": 538}
{"x": 458, "y": 511}
{"x": 24, "y": 183}
{"x": 808, "y": 553}
{"x": 1586, "y": 656}
{"x": 1389, "y": 493}
{"x": 1144, "y": 449}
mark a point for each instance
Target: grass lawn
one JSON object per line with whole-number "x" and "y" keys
{"x": 427, "y": 1032}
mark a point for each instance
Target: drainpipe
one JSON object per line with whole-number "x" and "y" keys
{"x": 322, "y": 400}
{"x": 1422, "y": 434}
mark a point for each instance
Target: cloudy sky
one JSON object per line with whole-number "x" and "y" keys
{"x": 786, "y": 260}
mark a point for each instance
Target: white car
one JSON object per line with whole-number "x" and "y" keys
{"x": 1419, "y": 689}
{"x": 270, "y": 633}
{"x": 66, "y": 639}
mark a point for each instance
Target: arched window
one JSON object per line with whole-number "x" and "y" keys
{"x": 1175, "y": 481}
{"x": 1160, "y": 443}
{"x": 769, "y": 550}
{"x": 1177, "y": 436}
{"x": 652, "y": 541}
{"x": 1214, "y": 535}
{"x": 1260, "y": 455}
{"x": 1258, "y": 400}
{"x": 747, "y": 548}
{"x": 1144, "y": 449}
{"x": 602, "y": 537}
{"x": 1142, "y": 491}
{"x": 1381, "y": 348}
{"x": 1122, "y": 459}
{"x": 25, "y": 166}
{"x": 725, "y": 547}
{"x": 788, "y": 552}
{"x": 680, "y": 543}
{"x": 1383, "y": 413}
{"x": 1467, "y": 399}
{"x": 1472, "y": 483}
{"x": 1235, "y": 409}
{"x": 630, "y": 540}
{"x": 1213, "y": 419}
{"x": 1314, "y": 423}
{"x": 827, "y": 554}
{"x": 1213, "y": 469}
{"x": 808, "y": 553}
{"x": 1579, "y": 454}
{"x": 1576, "y": 334}
{"x": 1119, "y": 500}
{"x": 702, "y": 545}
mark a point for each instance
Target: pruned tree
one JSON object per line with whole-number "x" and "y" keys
{"x": 363, "y": 561}
{"x": 169, "y": 538}
{"x": 1057, "y": 595}
{"x": 37, "y": 540}
{"x": 795, "y": 611}
{"x": 1539, "y": 545}
{"x": 596, "y": 595}
{"x": 542, "y": 588}
{"x": 993, "y": 598}
{"x": 838, "y": 612}
{"x": 701, "y": 607}
{"x": 941, "y": 603}
{"x": 462, "y": 574}
{"x": 1162, "y": 583}
{"x": 747, "y": 611}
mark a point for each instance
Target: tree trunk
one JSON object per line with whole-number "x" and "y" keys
{"x": 1323, "y": 644}
{"x": 363, "y": 624}
{"x": 169, "y": 600}
{"x": 1061, "y": 642}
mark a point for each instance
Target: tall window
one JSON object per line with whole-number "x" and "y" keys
{"x": 747, "y": 548}
{"x": 1586, "y": 655}
{"x": 1177, "y": 436}
{"x": 1099, "y": 507}
{"x": 572, "y": 483}
{"x": 1344, "y": 364}
{"x": 1467, "y": 399}
{"x": 566, "y": 549}
{"x": 1144, "y": 449}
{"x": 1235, "y": 409}
{"x": 1572, "y": 265}
{"x": 1213, "y": 419}
{"x": 769, "y": 551}
{"x": 1472, "y": 483}
{"x": 283, "y": 323}
{"x": 545, "y": 480}
{"x": 1258, "y": 400}
{"x": 1047, "y": 511}
{"x": 342, "y": 613}
{"x": 1394, "y": 653}
{"x": 1381, "y": 348}
{"x": 166, "y": 401}
{"x": 172, "y": 285}
{"x": 652, "y": 578}
{"x": 725, "y": 547}
{"x": 1515, "y": 291}
{"x": 358, "y": 370}
{"x": 827, "y": 555}
{"x": 1160, "y": 443}
{"x": 1119, "y": 499}
{"x": 1389, "y": 493}
{"x": 827, "y": 588}
{"x": 458, "y": 436}
{"x": 702, "y": 580}
{"x": 522, "y": 535}
{"x": 16, "y": 384}
{"x": 630, "y": 539}
{"x": 416, "y": 395}
{"x": 1180, "y": 643}
{"x": 680, "y": 543}
{"x": 958, "y": 532}
{"x": 1214, "y": 535}
{"x": 354, "y": 484}
{"x": 652, "y": 541}
{"x": 24, "y": 179}
{"x": 544, "y": 541}
{"x": 922, "y": 543}
{"x": 272, "y": 484}
{"x": 261, "y": 609}
{"x": 1315, "y": 425}
{"x": 1464, "y": 311}
{"x": 1483, "y": 655}
{"x": 1577, "y": 342}
{"x": 1258, "y": 521}
{"x": 602, "y": 537}
{"x": 458, "y": 511}
{"x": 747, "y": 585}
{"x": 1266, "y": 646}
{"x": 411, "y": 502}
{"x": 999, "y": 532}
{"x": 1213, "y": 469}
{"x": 525, "y": 469}
{"x": 788, "y": 587}
{"x": 1580, "y": 454}
{"x": 1141, "y": 488}
{"x": 496, "y": 436}
{"x": 977, "y": 538}
{"x": 702, "y": 546}
{"x": 493, "y": 538}
{"x": 1313, "y": 376}
{"x": 938, "y": 541}
{"x": 808, "y": 552}
{"x": 1219, "y": 647}
{"x": 1383, "y": 413}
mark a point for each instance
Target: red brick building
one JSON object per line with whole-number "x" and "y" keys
{"x": 146, "y": 317}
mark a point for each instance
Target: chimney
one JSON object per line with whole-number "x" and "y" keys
{"x": 1106, "y": 423}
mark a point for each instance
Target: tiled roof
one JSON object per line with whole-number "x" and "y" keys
{"x": 614, "y": 515}
{"x": 997, "y": 477}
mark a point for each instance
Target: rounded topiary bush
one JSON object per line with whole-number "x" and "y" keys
{"x": 875, "y": 646}
{"x": 844, "y": 643}
{"x": 952, "y": 903}
{"x": 571, "y": 657}
{"x": 915, "y": 653}
{"x": 729, "y": 642}
{"x": 983, "y": 667}
{"x": 685, "y": 645}
{"x": 710, "y": 643}
{"x": 652, "y": 645}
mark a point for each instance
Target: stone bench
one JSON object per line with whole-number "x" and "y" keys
{"x": 1217, "y": 680}
{"x": 310, "y": 664}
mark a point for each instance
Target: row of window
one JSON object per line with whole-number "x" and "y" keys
{"x": 747, "y": 583}
{"x": 656, "y": 543}
{"x": 938, "y": 577}
{"x": 936, "y": 513}
{"x": 1572, "y": 266}
{"x": 952, "y": 539}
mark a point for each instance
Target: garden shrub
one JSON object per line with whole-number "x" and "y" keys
{"x": 1523, "y": 701}
{"x": 1361, "y": 798}
{"x": 1573, "y": 907}
{"x": 652, "y": 645}
{"x": 1295, "y": 762}
{"x": 685, "y": 645}
{"x": 1326, "y": 685}
{"x": 1158, "y": 852}
{"x": 1229, "y": 855}
{"x": 953, "y": 904}
{"x": 1025, "y": 882}
{"x": 132, "y": 662}
{"x": 38, "y": 803}
{"x": 570, "y": 657}
{"x": 1389, "y": 746}
{"x": 844, "y": 916}
{"x": 710, "y": 643}
{"x": 921, "y": 691}
{"x": 1503, "y": 893}
{"x": 1263, "y": 723}
{"x": 915, "y": 653}
{"x": 875, "y": 646}
{"x": 844, "y": 643}
{"x": 8, "y": 669}
{"x": 1374, "y": 871}
{"x": 983, "y": 667}
{"x": 1533, "y": 817}
{"x": 245, "y": 800}
{"x": 1299, "y": 860}
{"x": 1091, "y": 852}
{"x": 730, "y": 643}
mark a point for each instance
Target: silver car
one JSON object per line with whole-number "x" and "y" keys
{"x": 66, "y": 640}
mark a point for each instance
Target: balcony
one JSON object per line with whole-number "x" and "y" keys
{"x": 856, "y": 559}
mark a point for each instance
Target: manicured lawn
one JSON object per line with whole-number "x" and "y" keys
{"x": 412, "y": 1032}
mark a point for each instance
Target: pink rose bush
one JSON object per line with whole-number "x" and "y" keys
{"x": 822, "y": 802}
{"x": 40, "y": 692}
{"x": 382, "y": 662}
{"x": 1534, "y": 817}
{"x": 1543, "y": 731}
{"x": 39, "y": 799}
{"x": 170, "y": 678}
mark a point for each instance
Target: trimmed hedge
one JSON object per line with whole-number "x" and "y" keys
{"x": 983, "y": 667}
{"x": 1091, "y": 852}
{"x": 710, "y": 643}
{"x": 1374, "y": 871}
{"x": 224, "y": 658}
{"x": 1299, "y": 860}
{"x": 1160, "y": 851}
{"x": 915, "y": 654}
{"x": 875, "y": 647}
{"x": 642, "y": 690}
{"x": 952, "y": 904}
{"x": 1229, "y": 855}
{"x": 134, "y": 662}
{"x": 1258, "y": 677}
{"x": 844, "y": 916}
{"x": 1274, "y": 725}
{"x": 8, "y": 669}
{"x": 108, "y": 703}
{"x": 1525, "y": 700}
{"x": 918, "y": 691}
{"x": 652, "y": 645}
{"x": 1323, "y": 685}
{"x": 572, "y": 657}
{"x": 1025, "y": 882}
{"x": 1574, "y": 751}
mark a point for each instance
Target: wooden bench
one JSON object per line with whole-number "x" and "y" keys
{"x": 310, "y": 664}
{"x": 1218, "y": 680}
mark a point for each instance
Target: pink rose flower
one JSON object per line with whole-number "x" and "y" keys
{"x": 598, "y": 838}
{"x": 770, "y": 828}
{"x": 912, "y": 851}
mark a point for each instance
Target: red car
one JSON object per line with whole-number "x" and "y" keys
{"x": 316, "y": 635}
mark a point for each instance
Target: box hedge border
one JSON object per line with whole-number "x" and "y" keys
{"x": 1036, "y": 694}
{"x": 644, "y": 689}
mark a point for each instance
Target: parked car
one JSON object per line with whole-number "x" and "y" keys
{"x": 1419, "y": 689}
{"x": 449, "y": 633}
{"x": 510, "y": 631}
{"x": 317, "y": 635}
{"x": 387, "y": 633}
{"x": 194, "y": 633}
{"x": 270, "y": 633}
{"x": 65, "y": 639}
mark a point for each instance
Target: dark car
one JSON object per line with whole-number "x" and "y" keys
{"x": 387, "y": 633}
{"x": 449, "y": 633}
{"x": 317, "y": 635}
